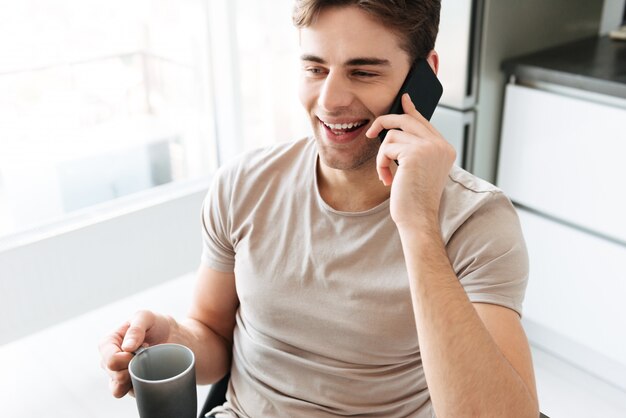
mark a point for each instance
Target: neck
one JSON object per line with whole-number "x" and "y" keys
{"x": 353, "y": 190}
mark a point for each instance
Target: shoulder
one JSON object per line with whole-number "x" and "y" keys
{"x": 468, "y": 196}
{"x": 471, "y": 183}
{"x": 484, "y": 241}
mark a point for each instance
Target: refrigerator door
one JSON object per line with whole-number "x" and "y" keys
{"x": 458, "y": 44}
{"x": 458, "y": 129}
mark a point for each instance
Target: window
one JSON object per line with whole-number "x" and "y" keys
{"x": 256, "y": 81}
{"x": 268, "y": 56}
{"x": 104, "y": 99}
{"x": 99, "y": 100}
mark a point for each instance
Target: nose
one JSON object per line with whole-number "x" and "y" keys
{"x": 335, "y": 93}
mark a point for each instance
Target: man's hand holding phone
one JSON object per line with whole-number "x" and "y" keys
{"x": 425, "y": 159}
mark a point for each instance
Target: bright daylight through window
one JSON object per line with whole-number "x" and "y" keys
{"x": 269, "y": 69}
{"x": 98, "y": 100}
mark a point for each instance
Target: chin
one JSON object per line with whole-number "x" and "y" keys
{"x": 353, "y": 158}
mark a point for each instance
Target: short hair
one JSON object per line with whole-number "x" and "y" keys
{"x": 415, "y": 22}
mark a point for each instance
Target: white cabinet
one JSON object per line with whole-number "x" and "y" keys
{"x": 565, "y": 157}
{"x": 562, "y": 162}
{"x": 575, "y": 296}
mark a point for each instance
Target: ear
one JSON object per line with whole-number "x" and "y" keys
{"x": 433, "y": 60}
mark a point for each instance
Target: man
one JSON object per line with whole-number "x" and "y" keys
{"x": 335, "y": 283}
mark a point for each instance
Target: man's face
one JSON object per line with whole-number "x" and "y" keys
{"x": 352, "y": 68}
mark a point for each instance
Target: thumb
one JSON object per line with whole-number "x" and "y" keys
{"x": 133, "y": 339}
{"x": 136, "y": 333}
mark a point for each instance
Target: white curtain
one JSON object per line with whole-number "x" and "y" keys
{"x": 256, "y": 70}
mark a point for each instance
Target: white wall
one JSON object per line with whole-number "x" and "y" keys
{"x": 55, "y": 278}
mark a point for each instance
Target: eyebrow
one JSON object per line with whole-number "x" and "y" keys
{"x": 353, "y": 62}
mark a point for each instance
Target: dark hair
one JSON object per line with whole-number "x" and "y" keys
{"x": 416, "y": 22}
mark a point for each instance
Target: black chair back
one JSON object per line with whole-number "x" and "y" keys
{"x": 216, "y": 396}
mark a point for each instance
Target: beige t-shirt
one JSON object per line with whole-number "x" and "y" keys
{"x": 325, "y": 326}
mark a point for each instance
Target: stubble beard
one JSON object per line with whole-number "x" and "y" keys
{"x": 339, "y": 159}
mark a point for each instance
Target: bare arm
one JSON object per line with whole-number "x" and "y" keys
{"x": 476, "y": 358}
{"x": 207, "y": 330}
{"x": 211, "y": 321}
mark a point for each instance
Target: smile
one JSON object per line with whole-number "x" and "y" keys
{"x": 344, "y": 127}
{"x": 343, "y": 132}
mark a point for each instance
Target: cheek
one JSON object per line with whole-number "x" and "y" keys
{"x": 379, "y": 102}
{"x": 306, "y": 93}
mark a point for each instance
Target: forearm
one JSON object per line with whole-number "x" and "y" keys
{"x": 212, "y": 351}
{"x": 467, "y": 375}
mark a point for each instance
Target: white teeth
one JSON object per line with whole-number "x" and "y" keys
{"x": 339, "y": 126}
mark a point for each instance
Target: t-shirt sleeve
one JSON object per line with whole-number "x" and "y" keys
{"x": 489, "y": 255}
{"x": 217, "y": 248}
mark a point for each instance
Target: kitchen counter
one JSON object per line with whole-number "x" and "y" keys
{"x": 595, "y": 64}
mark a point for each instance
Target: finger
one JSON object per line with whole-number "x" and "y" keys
{"x": 384, "y": 171}
{"x": 136, "y": 333}
{"x": 406, "y": 123}
{"x": 387, "y": 154}
{"x": 122, "y": 377}
{"x": 111, "y": 345}
{"x": 402, "y": 137}
{"x": 409, "y": 108}
{"x": 409, "y": 145}
{"x": 114, "y": 339}
{"x": 391, "y": 151}
{"x": 119, "y": 389}
{"x": 119, "y": 381}
{"x": 117, "y": 362}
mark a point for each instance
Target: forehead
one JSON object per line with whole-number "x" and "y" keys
{"x": 342, "y": 32}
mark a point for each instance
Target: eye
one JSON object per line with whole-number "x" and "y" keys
{"x": 364, "y": 74}
{"x": 314, "y": 71}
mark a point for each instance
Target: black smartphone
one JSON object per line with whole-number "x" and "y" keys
{"x": 424, "y": 88}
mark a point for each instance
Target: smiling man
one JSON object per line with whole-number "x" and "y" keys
{"x": 335, "y": 283}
